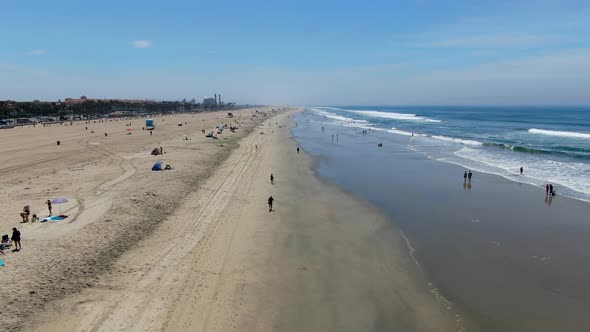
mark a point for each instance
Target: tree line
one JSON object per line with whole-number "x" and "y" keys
{"x": 94, "y": 108}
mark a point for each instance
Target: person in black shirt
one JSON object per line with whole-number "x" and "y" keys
{"x": 16, "y": 239}
{"x": 270, "y": 200}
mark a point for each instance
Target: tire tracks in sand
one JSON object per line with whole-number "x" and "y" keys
{"x": 151, "y": 295}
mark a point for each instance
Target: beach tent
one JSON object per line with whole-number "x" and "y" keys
{"x": 157, "y": 166}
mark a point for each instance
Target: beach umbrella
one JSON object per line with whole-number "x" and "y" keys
{"x": 59, "y": 201}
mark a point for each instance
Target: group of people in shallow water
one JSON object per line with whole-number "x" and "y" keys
{"x": 467, "y": 175}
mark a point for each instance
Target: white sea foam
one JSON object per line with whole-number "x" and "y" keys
{"x": 458, "y": 140}
{"x": 399, "y": 132}
{"x": 393, "y": 116}
{"x": 569, "y": 134}
{"x": 336, "y": 116}
{"x": 572, "y": 179}
{"x": 330, "y": 108}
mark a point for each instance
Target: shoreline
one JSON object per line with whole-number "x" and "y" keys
{"x": 322, "y": 260}
{"x": 493, "y": 247}
{"x": 502, "y": 155}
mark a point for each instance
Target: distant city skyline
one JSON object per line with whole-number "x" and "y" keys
{"x": 299, "y": 52}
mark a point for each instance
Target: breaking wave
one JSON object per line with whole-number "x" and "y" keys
{"x": 569, "y": 134}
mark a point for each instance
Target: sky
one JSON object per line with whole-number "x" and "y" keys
{"x": 299, "y": 52}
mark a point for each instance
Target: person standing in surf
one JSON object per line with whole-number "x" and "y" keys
{"x": 521, "y": 170}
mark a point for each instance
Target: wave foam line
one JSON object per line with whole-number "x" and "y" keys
{"x": 336, "y": 116}
{"x": 458, "y": 140}
{"x": 569, "y": 134}
{"x": 394, "y": 116}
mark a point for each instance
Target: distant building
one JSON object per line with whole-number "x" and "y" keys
{"x": 208, "y": 101}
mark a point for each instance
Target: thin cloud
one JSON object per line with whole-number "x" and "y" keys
{"x": 495, "y": 41}
{"x": 141, "y": 43}
{"x": 36, "y": 52}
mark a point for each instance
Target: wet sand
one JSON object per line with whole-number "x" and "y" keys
{"x": 506, "y": 256}
{"x": 320, "y": 261}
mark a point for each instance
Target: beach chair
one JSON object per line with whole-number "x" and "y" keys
{"x": 5, "y": 245}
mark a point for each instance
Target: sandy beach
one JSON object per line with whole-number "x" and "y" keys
{"x": 114, "y": 199}
{"x": 219, "y": 260}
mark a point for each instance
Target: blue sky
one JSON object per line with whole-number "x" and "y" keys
{"x": 299, "y": 52}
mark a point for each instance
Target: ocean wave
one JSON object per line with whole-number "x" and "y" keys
{"x": 399, "y": 132}
{"x": 573, "y": 178}
{"x": 569, "y": 134}
{"x": 458, "y": 140}
{"x": 336, "y": 116}
{"x": 405, "y": 133}
{"x": 394, "y": 116}
{"x": 516, "y": 148}
{"x": 559, "y": 150}
{"x": 330, "y": 108}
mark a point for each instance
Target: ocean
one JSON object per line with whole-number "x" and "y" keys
{"x": 552, "y": 144}
{"x": 498, "y": 253}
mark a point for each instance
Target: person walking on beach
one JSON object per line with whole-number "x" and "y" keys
{"x": 272, "y": 179}
{"x": 49, "y": 207}
{"x": 547, "y": 189}
{"x": 16, "y": 239}
{"x": 270, "y": 200}
{"x": 297, "y": 150}
{"x": 521, "y": 170}
{"x": 551, "y": 189}
{"x": 469, "y": 175}
{"x": 465, "y": 176}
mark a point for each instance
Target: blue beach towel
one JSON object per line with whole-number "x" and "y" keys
{"x": 54, "y": 218}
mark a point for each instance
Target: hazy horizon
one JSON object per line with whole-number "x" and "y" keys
{"x": 508, "y": 53}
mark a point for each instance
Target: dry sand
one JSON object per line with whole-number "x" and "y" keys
{"x": 218, "y": 260}
{"x": 114, "y": 197}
